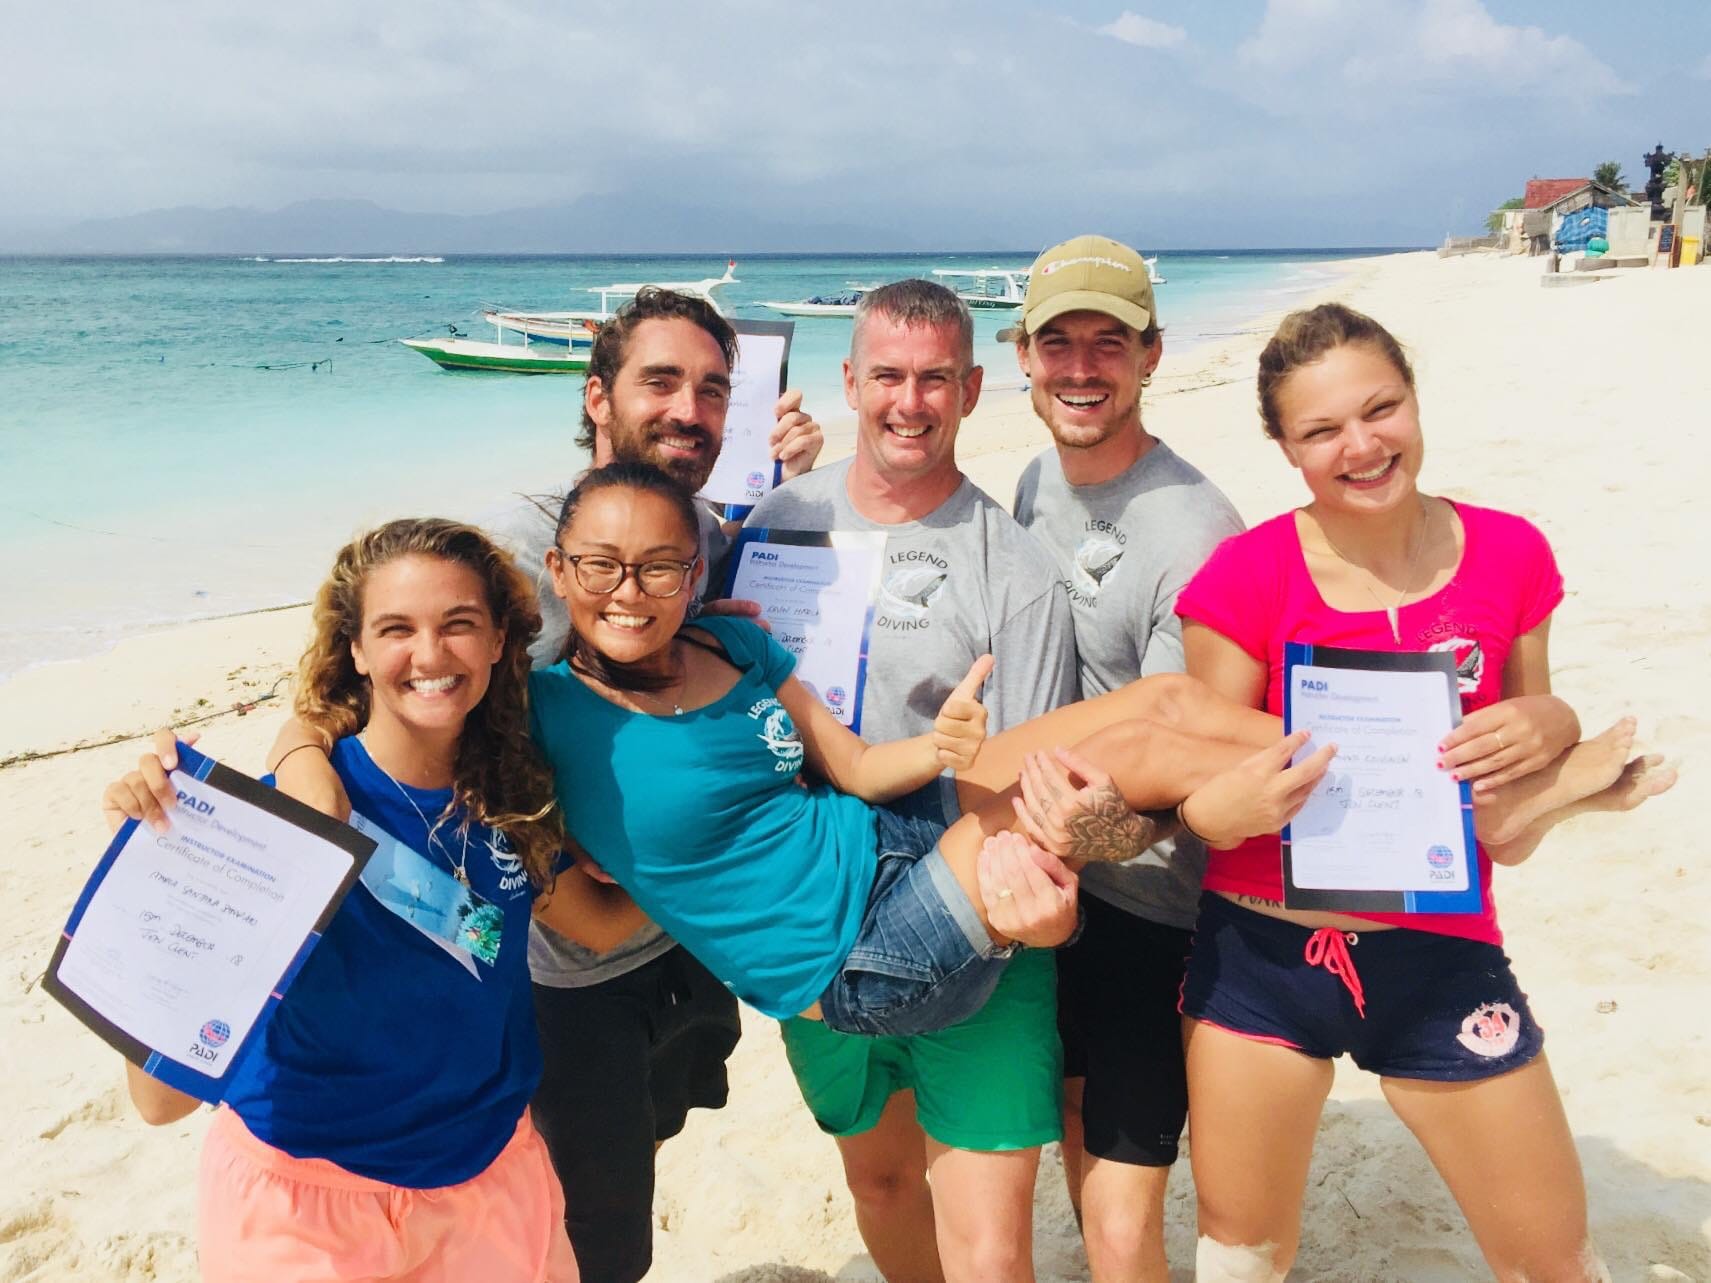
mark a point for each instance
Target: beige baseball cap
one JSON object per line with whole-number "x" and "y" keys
{"x": 1086, "y": 274}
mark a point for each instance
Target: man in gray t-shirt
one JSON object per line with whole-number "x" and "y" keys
{"x": 1128, "y": 523}
{"x": 633, "y": 1039}
{"x": 961, "y": 579}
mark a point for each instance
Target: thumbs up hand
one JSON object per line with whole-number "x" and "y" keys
{"x": 960, "y": 728}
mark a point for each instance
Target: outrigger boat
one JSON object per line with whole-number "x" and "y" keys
{"x": 576, "y": 329}
{"x": 1004, "y": 288}
{"x": 824, "y": 304}
{"x": 458, "y": 352}
{"x": 553, "y": 342}
{"x": 988, "y": 288}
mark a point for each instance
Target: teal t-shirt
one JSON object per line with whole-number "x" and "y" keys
{"x": 700, "y": 817}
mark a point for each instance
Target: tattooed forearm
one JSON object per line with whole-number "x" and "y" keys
{"x": 1108, "y": 830}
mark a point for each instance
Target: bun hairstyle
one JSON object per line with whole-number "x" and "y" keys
{"x": 1307, "y": 336}
{"x": 499, "y": 779}
{"x": 626, "y": 474}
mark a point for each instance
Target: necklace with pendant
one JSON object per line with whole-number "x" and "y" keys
{"x": 1392, "y": 610}
{"x": 460, "y": 866}
{"x": 676, "y": 707}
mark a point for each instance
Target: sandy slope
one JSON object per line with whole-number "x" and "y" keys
{"x": 1575, "y": 407}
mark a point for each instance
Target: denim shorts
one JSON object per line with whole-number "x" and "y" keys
{"x": 922, "y": 961}
{"x": 1404, "y": 1004}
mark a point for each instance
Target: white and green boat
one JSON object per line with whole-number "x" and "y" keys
{"x": 458, "y": 353}
{"x": 552, "y": 342}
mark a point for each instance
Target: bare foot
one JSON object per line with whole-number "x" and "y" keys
{"x": 1578, "y": 772}
{"x": 1641, "y": 779}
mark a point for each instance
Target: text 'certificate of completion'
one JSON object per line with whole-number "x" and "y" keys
{"x": 1385, "y": 831}
{"x": 181, "y": 940}
{"x": 745, "y": 470}
{"x": 817, "y": 590}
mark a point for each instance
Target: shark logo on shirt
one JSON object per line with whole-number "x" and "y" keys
{"x": 910, "y": 592}
{"x": 512, "y": 875}
{"x": 1470, "y": 662}
{"x": 1096, "y": 558}
{"x": 779, "y": 734}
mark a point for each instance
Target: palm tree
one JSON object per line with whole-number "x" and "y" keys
{"x": 1610, "y": 175}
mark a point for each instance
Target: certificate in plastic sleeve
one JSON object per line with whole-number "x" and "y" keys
{"x": 1385, "y": 831}
{"x": 745, "y": 470}
{"x": 182, "y": 942}
{"x": 817, "y": 589}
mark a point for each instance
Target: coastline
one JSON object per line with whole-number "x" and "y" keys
{"x": 1567, "y": 406}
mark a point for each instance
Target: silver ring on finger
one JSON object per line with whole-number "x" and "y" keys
{"x": 1005, "y": 893}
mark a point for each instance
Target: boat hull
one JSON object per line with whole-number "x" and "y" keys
{"x": 812, "y": 309}
{"x": 467, "y": 354}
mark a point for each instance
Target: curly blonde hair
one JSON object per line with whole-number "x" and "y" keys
{"x": 500, "y": 779}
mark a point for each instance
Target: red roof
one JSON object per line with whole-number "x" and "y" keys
{"x": 1548, "y": 191}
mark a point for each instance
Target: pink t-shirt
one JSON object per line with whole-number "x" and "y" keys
{"x": 1256, "y": 590}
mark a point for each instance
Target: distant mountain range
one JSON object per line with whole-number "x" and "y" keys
{"x": 588, "y": 225}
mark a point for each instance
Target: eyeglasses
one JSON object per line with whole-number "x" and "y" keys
{"x": 661, "y": 578}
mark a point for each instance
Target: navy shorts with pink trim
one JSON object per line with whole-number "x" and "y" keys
{"x": 1405, "y": 1004}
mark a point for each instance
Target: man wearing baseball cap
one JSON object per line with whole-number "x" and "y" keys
{"x": 1128, "y": 523}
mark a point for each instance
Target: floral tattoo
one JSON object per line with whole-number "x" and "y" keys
{"x": 1106, "y": 829}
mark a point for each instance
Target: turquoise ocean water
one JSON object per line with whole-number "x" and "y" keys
{"x": 188, "y": 437}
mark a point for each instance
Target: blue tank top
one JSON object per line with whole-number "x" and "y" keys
{"x": 387, "y": 1056}
{"x": 702, "y": 819}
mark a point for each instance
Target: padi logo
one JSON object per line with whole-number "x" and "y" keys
{"x": 209, "y": 1039}
{"x": 757, "y": 481}
{"x": 195, "y": 804}
{"x": 1439, "y": 856}
{"x": 1312, "y": 684}
{"x": 765, "y": 556}
{"x": 835, "y": 696}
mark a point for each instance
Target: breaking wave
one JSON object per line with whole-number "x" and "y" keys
{"x": 341, "y": 258}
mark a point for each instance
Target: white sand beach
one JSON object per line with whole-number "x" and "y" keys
{"x": 1583, "y": 409}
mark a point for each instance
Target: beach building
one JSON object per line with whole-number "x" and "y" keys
{"x": 1533, "y": 228}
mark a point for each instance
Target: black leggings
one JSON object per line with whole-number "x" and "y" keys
{"x": 625, "y": 1061}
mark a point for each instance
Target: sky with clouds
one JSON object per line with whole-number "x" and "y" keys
{"x": 1174, "y": 123}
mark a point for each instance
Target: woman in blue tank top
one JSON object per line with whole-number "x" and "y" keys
{"x": 403, "y": 1057}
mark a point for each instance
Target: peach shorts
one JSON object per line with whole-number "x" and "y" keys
{"x": 265, "y": 1216}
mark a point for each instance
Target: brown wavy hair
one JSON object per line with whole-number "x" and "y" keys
{"x": 651, "y": 303}
{"x": 1306, "y": 336}
{"x": 499, "y": 779}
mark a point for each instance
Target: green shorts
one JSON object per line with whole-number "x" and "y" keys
{"x": 993, "y": 1082}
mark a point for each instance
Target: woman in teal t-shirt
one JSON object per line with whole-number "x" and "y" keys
{"x": 678, "y": 755}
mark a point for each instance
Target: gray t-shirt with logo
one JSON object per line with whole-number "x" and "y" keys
{"x": 1125, "y": 548}
{"x": 526, "y": 530}
{"x": 961, "y": 582}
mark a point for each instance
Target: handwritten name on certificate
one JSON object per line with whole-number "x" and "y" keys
{"x": 1385, "y": 830}
{"x": 817, "y": 590}
{"x": 745, "y": 469}
{"x": 181, "y": 939}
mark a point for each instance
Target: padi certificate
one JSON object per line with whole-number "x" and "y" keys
{"x": 745, "y": 469}
{"x": 817, "y": 590}
{"x": 1385, "y": 831}
{"x": 181, "y": 941}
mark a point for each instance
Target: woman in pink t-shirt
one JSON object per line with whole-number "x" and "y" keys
{"x": 1273, "y": 995}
